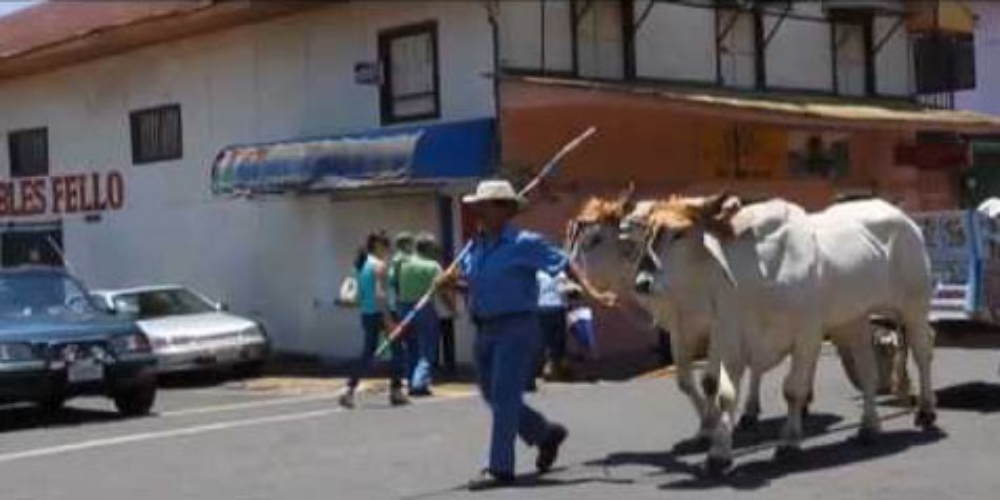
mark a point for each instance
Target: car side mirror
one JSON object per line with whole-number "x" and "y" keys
{"x": 102, "y": 305}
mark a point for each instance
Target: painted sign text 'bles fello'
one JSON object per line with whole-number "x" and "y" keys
{"x": 62, "y": 194}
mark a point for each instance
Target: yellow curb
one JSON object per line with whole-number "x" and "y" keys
{"x": 659, "y": 373}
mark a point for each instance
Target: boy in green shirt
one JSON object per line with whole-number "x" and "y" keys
{"x": 416, "y": 276}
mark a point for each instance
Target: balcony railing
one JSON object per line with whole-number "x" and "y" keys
{"x": 940, "y": 100}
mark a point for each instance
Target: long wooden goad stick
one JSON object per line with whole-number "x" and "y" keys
{"x": 535, "y": 181}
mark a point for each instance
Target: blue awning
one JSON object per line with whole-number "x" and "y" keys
{"x": 388, "y": 157}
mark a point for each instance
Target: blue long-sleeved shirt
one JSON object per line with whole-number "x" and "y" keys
{"x": 501, "y": 272}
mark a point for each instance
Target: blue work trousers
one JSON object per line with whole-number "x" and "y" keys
{"x": 421, "y": 341}
{"x": 505, "y": 351}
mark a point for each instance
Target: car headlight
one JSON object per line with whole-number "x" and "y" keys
{"x": 17, "y": 351}
{"x": 254, "y": 332}
{"x": 131, "y": 343}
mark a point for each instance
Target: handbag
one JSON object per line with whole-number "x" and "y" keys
{"x": 348, "y": 293}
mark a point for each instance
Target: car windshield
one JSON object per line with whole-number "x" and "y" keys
{"x": 160, "y": 303}
{"x": 42, "y": 295}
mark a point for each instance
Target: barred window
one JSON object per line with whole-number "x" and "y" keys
{"x": 410, "y": 80}
{"x": 29, "y": 152}
{"x": 156, "y": 134}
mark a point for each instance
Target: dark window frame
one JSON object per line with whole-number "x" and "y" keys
{"x": 17, "y": 170}
{"x": 142, "y": 157}
{"x": 865, "y": 20}
{"x": 18, "y": 240}
{"x": 387, "y": 100}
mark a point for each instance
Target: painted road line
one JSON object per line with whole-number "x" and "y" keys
{"x": 185, "y": 432}
{"x": 247, "y": 406}
{"x": 449, "y": 391}
{"x": 160, "y": 435}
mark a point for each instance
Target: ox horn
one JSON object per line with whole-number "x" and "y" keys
{"x": 626, "y": 198}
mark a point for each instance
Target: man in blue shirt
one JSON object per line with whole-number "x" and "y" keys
{"x": 499, "y": 275}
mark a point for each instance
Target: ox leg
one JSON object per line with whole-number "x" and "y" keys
{"x": 722, "y": 394}
{"x": 798, "y": 388}
{"x": 920, "y": 338}
{"x": 901, "y": 385}
{"x": 860, "y": 340}
{"x": 751, "y": 409}
{"x": 683, "y": 359}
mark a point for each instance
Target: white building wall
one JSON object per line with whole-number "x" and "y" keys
{"x": 799, "y": 55}
{"x": 894, "y": 63}
{"x": 676, "y": 42}
{"x": 278, "y": 259}
{"x": 600, "y": 42}
{"x": 536, "y": 34}
{"x": 737, "y": 60}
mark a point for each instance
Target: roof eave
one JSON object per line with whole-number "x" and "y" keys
{"x": 111, "y": 40}
{"x": 753, "y": 108}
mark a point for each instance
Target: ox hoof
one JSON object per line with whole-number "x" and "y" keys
{"x": 748, "y": 422}
{"x": 787, "y": 453}
{"x": 925, "y": 419}
{"x": 867, "y": 436}
{"x": 717, "y": 467}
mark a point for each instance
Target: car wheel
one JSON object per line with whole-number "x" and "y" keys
{"x": 250, "y": 369}
{"x": 52, "y": 404}
{"x": 136, "y": 402}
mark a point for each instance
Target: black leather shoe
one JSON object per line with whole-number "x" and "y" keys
{"x": 548, "y": 450}
{"x": 422, "y": 392}
{"x": 488, "y": 479}
{"x": 347, "y": 400}
{"x": 397, "y": 398}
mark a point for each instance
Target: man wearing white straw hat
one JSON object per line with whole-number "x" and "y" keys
{"x": 499, "y": 275}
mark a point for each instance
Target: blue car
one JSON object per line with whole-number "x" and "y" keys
{"x": 56, "y": 344}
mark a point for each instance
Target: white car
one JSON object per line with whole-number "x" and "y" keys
{"x": 188, "y": 331}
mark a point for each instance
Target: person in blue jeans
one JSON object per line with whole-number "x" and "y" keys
{"x": 417, "y": 274}
{"x": 372, "y": 278}
{"x": 499, "y": 276}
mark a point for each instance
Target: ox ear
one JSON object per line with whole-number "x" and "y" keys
{"x": 718, "y": 211}
{"x": 714, "y": 246}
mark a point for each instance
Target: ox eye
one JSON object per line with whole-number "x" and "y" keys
{"x": 595, "y": 240}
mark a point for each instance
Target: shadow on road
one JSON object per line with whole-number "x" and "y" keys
{"x": 983, "y": 397}
{"x": 760, "y": 473}
{"x": 766, "y": 430}
{"x": 529, "y": 482}
{"x": 194, "y": 379}
{"x": 29, "y": 417}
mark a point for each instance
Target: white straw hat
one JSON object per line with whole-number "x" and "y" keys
{"x": 494, "y": 190}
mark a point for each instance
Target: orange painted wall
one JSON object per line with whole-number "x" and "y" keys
{"x": 664, "y": 150}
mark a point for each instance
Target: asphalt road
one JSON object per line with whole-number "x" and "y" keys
{"x": 628, "y": 440}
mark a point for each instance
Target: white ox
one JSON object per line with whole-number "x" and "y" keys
{"x": 776, "y": 281}
{"x": 594, "y": 239}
